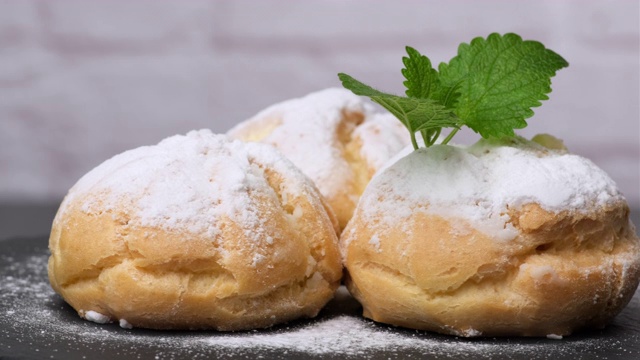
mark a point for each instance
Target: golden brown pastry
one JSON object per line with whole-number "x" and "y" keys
{"x": 197, "y": 232}
{"x": 334, "y": 137}
{"x": 500, "y": 238}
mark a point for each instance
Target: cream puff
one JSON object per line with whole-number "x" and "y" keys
{"x": 197, "y": 232}
{"x": 500, "y": 238}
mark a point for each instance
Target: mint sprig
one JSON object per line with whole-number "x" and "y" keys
{"x": 490, "y": 86}
{"x": 424, "y": 115}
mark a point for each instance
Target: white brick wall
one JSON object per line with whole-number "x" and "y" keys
{"x": 83, "y": 80}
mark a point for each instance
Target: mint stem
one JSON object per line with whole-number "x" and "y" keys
{"x": 425, "y": 137}
{"x": 413, "y": 141}
{"x": 435, "y": 137}
{"x": 449, "y": 137}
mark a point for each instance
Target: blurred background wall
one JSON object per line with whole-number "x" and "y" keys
{"x": 81, "y": 81}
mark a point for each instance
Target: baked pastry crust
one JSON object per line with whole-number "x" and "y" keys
{"x": 269, "y": 258}
{"x": 334, "y": 137}
{"x": 433, "y": 268}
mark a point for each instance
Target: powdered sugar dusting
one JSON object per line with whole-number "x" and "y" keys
{"x": 307, "y": 133}
{"x": 96, "y": 317}
{"x": 187, "y": 182}
{"x": 383, "y": 136}
{"x": 36, "y": 321}
{"x": 348, "y": 336}
{"x": 546, "y": 273}
{"x": 125, "y": 324}
{"x": 322, "y": 132}
{"x": 480, "y": 183}
{"x": 375, "y": 242}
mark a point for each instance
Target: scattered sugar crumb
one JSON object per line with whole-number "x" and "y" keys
{"x": 96, "y": 317}
{"x": 375, "y": 241}
{"x": 125, "y": 324}
{"x": 542, "y": 273}
{"x": 471, "y": 332}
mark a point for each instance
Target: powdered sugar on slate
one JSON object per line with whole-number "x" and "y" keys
{"x": 32, "y": 316}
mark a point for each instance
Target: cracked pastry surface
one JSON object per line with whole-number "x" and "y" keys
{"x": 334, "y": 137}
{"x": 197, "y": 232}
{"x": 500, "y": 238}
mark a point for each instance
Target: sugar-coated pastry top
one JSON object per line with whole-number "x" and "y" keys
{"x": 177, "y": 185}
{"x": 302, "y": 129}
{"x": 381, "y": 136}
{"x": 334, "y": 137}
{"x": 481, "y": 182}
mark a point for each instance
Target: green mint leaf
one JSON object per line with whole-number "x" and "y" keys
{"x": 490, "y": 86}
{"x": 358, "y": 87}
{"x": 448, "y": 94}
{"x": 499, "y": 80}
{"x": 416, "y": 114}
{"x": 421, "y": 77}
{"x": 422, "y": 80}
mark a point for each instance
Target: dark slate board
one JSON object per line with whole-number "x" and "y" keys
{"x": 35, "y": 323}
